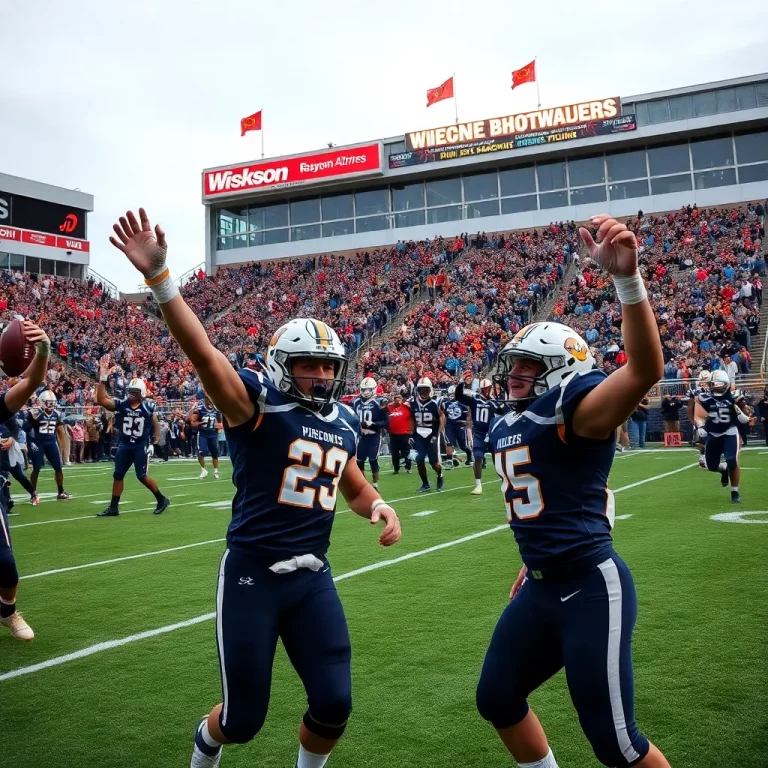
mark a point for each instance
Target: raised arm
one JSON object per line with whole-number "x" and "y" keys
{"x": 610, "y": 403}
{"x": 19, "y": 393}
{"x": 146, "y": 250}
{"x": 102, "y": 398}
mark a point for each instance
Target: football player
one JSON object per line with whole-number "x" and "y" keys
{"x": 207, "y": 420}
{"x": 482, "y": 408}
{"x": 722, "y": 417}
{"x": 429, "y": 421}
{"x": 139, "y": 430}
{"x": 373, "y": 419}
{"x": 290, "y": 440}
{"x": 11, "y": 402}
{"x": 456, "y": 417}
{"x": 699, "y": 433}
{"x": 573, "y": 604}
{"x": 44, "y": 423}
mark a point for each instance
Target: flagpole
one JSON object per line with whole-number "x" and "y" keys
{"x": 536, "y": 72}
{"x": 455, "y": 103}
{"x": 262, "y": 137}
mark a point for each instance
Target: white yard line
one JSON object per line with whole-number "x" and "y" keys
{"x": 121, "y": 559}
{"x": 110, "y": 644}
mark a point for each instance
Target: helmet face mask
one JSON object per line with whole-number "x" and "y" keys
{"x": 424, "y": 389}
{"x": 297, "y": 342}
{"x": 720, "y": 383}
{"x": 367, "y": 388}
{"x": 47, "y": 401}
{"x": 136, "y": 391}
{"x": 557, "y": 349}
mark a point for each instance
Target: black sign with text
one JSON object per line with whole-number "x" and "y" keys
{"x": 41, "y": 216}
{"x": 519, "y": 141}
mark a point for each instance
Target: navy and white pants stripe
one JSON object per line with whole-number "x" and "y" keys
{"x": 254, "y": 608}
{"x": 584, "y": 625}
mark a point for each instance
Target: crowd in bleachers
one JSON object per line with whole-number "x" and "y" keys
{"x": 704, "y": 273}
{"x": 484, "y": 297}
{"x": 703, "y": 267}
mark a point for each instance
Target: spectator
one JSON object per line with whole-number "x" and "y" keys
{"x": 670, "y": 407}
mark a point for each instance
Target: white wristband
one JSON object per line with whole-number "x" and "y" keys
{"x": 378, "y": 503}
{"x": 165, "y": 291}
{"x": 630, "y": 289}
{"x": 103, "y": 379}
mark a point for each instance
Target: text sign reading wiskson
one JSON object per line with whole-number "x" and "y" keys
{"x": 504, "y": 143}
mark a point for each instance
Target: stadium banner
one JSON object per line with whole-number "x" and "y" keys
{"x": 294, "y": 171}
{"x": 540, "y": 126}
{"x": 41, "y": 238}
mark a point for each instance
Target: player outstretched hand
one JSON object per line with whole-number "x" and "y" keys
{"x": 146, "y": 249}
{"x": 391, "y": 533}
{"x": 35, "y": 334}
{"x": 104, "y": 367}
{"x": 614, "y": 247}
{"x": 518, "y": 582}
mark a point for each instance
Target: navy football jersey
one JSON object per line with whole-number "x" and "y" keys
{"x": 455, "y": 412}
{"x": 482, "y": 410}
{"x": 134, "y": 425}
{"x": 175, "y": 428}
{"x": 554, "y": 482}
{"x": 286, "y": 464}
{"x": 721, "y": 413}
{"x": 207, "y": 418}
{"x": 42, "y": 425}
{"x": 426, "y": 416}
{"x": 372, "y": 415}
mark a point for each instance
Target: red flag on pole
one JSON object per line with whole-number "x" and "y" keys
{"x": 444, "y": 91}
{"x": 526, "y": 74}
{"x": 251, "y": 123}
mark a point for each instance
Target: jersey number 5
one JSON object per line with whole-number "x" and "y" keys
{"x": 312, "y": 460}
{"x": 507, "y": 464}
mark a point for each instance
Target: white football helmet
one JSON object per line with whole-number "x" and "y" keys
{"x": 720, "y": 383}
{"x": 486, "y": 384}
{"x": 367, "y": 388}
{"x": 424, "y": 389}
{"x": 303, "y": 338}
{"x": 704, "y": 378}
{"x": 137, "y": 388}
{"x": 47, "y": 400}
{"x": 452, "y": 390}
{"x": 560, "y": 350}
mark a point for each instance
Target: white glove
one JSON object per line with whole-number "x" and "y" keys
{"x": 151, "y": 450}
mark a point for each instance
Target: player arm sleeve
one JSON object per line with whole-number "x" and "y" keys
{"x": 5, "y": 412}
{"x": 572, "y": 393}
{"x": 257, "y": 393}
{"x": 461, "y": 395}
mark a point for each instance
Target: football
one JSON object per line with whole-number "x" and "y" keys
{"x": 16, "y": 352}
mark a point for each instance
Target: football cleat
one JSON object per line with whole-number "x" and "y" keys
{"x": 216, "y": 473}
{"x": 735, "y": 497}
{"x": 455, "y": 462}
{"x": 468, "y": 463}
{"x": 64, "y": 496}
{"x": 702, "y": 462}
{"x": 210, "y": 758}
{"x": 424, "y": 488}
{"x": 162, "y": 506}
{"x": 440, "y": 483}
{"x": 477, "y": 491}
{"x": 203, "y": 474}
{"x": 35, "y": 500}
{"x": 108, "y": 512}
{"x": 19, "y": 628}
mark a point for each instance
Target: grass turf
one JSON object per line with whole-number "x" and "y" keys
{"x": 419, "y": 627}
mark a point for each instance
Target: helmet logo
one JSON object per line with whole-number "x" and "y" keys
{"x": 522, "y": 333}
{"x": 278, "y": 333}
{"x": 576, "y": 348}
{"x": 321, "y": 332}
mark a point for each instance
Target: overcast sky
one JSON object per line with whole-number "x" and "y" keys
{"x": 130, "y": 101}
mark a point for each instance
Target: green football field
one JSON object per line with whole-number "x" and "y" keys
{"x": 124, "y": 662}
